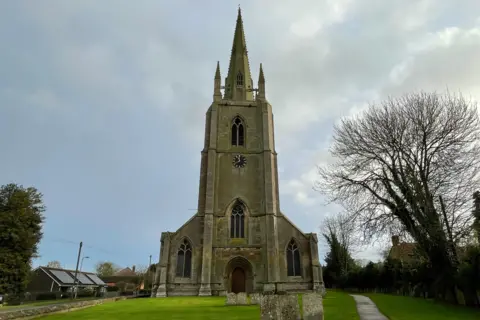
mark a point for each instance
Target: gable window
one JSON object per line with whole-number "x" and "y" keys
{"x": 239, "y": 79}
{"x": 237, "y": 221}
{"x": 184, "y": 260}
{"x": 293, "y": 259}
{"x": 238, "y": 132}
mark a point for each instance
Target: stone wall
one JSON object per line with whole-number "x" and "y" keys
{"x": 34, "y": 312}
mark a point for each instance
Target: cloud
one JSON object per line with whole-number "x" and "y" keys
{"x": 111, "y": 97}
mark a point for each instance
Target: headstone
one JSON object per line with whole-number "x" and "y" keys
{"x": 231, "y": 299}
{"x": 268, "y": 307}
{"x": 255, "y": 298}
{"x": 242, "y": 298}
{"x": 312, "y": 306}
{"x": 279, "y": 307}
{"x": 289, "y": 309}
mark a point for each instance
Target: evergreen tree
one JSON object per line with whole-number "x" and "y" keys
{"x": 20, "y": 232}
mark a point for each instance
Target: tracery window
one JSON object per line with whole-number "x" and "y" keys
{"x": 184, "y": 260}
{"x": 238, "y": 132}
{"x": 293, "y": 259}
{"x": 239, "y": 79}
{"x": 237, "y": 221}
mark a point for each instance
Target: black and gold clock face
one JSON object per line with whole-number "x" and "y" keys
{"x": 239, "y": 161}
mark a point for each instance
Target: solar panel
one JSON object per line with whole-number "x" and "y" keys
{"x": 83, "y": 279}
{"x": 95, "y": 279}
{"x": 62, "y": 276}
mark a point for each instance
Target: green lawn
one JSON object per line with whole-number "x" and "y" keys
{"x": 338, "y": 305}
{"x": 407, "y": 308}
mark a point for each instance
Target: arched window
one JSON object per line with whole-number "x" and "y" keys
{"x": 293, "y": 259}
{"x": 238, "y": 132}
{"x": 239, "y": 79}
{"x": 237, "y": 221}
{"x": 184, "y": 260}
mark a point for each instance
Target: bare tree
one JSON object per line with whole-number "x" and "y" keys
{"x": 54, "y": 264}
{"x": 396, "y": 163}
{"x": 343, "y": 227}
{"x": 339, "y": 232}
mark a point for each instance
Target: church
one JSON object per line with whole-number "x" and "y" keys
{"x": 238, "y": 240}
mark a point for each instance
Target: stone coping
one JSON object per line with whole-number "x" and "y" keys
{"x": 37, "y": 311}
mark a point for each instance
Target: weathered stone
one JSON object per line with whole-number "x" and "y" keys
{"x": 268, "y": 307}
{"x": 312, "y": 306}
{"x": 255, "y": 298}
{"x": 242, "y": 298}
{"x": 266, "y": 233}
{"x": 279, "y": 307}
{"x": 36, "y": 311}
{"x": 289, "y": 309}
{"x": 231, "y": 299}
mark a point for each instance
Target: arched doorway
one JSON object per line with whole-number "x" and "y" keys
{"x": 238, "y": 280}
{"x": 239, "y": 275}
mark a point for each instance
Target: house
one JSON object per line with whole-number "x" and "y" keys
{"x": 46, "y": 279}
{"x": 403, "y": 251}
{"x": 127, "y": 278}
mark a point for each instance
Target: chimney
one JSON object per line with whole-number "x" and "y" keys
{"x": 395, "y": 240}
{"x": 133, "y": 268}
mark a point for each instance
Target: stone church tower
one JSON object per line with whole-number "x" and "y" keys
{"x": 239, "y": 240}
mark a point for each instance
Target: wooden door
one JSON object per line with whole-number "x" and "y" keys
{"x": 238, "y": 280}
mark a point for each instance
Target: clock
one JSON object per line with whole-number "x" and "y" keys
{"x": 239, "y": 161}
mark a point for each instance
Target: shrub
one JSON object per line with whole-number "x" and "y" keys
{"x": 46, "y": 296}
{"x": 113, "y": 289}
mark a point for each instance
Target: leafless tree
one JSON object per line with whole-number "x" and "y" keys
{"x": 413, "y": 162}
{"x": 343, "y": 227}
{"x": 54, "y": 264}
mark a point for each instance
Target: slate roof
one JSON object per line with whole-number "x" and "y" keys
{"x": 65, "y": 277}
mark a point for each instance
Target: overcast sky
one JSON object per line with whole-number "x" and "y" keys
{"x": 102, "y": 103}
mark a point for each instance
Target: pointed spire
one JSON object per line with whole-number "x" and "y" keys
{"x": 261, "y": 77}
{"x": 217, "y": 93}
{"x": 261, "y": 84}
{"x": 239, "y": 84}
{"x": 217, "y": 72}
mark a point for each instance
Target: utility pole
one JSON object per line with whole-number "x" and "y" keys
{"x": 76, "y": 270}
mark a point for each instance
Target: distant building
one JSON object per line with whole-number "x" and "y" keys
{"x": 46, "y": 279}
{"x": 403, "y": 251}
{"x": 128, "y": 277}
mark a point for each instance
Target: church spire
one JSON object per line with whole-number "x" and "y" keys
{"x": 261, "y": 84}
{"x": 239, "y": 84}
{"x": 217, "y": 93}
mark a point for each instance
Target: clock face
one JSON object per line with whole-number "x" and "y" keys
{"x": 239, "y": 161}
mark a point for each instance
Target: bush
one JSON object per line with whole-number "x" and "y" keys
{"x": 46, "y": 296}
{"x": 113, "y": 289}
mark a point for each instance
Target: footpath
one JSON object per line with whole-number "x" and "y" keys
{"x": 367, "y": 310}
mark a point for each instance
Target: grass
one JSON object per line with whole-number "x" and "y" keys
{"x": 337, "y": 305}
{"x": 43, "y": 303}
{"x": 406, "y": 308}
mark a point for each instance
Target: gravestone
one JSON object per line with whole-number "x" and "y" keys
{"x": 231, "y": 299}
{"x": 312, "y": 306}
{"x": 279, "y": 307}
{"x": 255, "y": 298}
{"x": 242, "y": 298}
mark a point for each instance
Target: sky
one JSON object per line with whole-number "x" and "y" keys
{"x": 102, "y": 103}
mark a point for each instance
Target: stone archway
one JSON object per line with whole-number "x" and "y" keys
{"x": 239, "y": 275}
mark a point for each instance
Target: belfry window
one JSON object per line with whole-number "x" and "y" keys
{"x": 237, "y": 221}
{"x": 293, "y": 259}
{"x": 239, "y": 79}
{"x": 184, "y": 260}
{"x": 238, "y": 132}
